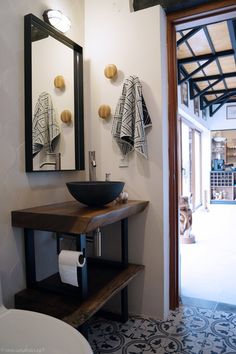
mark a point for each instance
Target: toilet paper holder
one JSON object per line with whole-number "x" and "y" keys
{"x": 96, "y": 239}
{"x": 60, "y": 237}
{"x": 81, "y": 258}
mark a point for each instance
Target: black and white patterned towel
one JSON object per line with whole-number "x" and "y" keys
{"x": 131, "y": 118}
{"x": 45, "y": 128}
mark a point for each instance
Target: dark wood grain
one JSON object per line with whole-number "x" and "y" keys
{"x": 173, "y": 166}
{"x": 168, "y": 5}
{"x": 73, "y": 217}
{"x": 95, "y": 302}
{"x": 70, "y": 308}
{"x": 202, "y": 11}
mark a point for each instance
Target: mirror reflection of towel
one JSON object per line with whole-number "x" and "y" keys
{"x": 131, "y": 118}
{"x": 45, "y": 128}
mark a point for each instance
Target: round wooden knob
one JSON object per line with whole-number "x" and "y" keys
{"x": 59, "y": 82}
{"x": 66, "y": 116}
{"x": 104, "y": 111}
{"x": 110, "y": 71}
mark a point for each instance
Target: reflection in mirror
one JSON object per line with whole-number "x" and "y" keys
{"x": 53, "y": 141}
{"x": 53, "y": 84}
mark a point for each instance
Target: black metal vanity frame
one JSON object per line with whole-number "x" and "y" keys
{"x": 81, "y": 246}
{"x": 30, "y": 20}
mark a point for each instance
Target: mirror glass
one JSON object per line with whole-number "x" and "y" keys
{"x": 53, "y": 99}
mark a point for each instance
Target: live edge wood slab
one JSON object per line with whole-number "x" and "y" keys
{"x": 104, "y": 278}
{"x": 73, "y": 217}
{"x": 70, "y": 308}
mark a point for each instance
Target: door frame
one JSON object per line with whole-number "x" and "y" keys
{"x": 200, "y": 12}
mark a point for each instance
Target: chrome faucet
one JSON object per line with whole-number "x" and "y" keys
{"x": 92, "y": 166}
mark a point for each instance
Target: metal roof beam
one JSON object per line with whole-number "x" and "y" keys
{"x": 181, "y": 70}
{"x": 223, "y": 53}
{"x": 194, "y": 89}
{"x": 210, "y": 103}
{"x": 188, "y": 35}
{"x": 217, "y": 92}
{"x": 228, "y": 101}
{"x": 212, "y": 111}
{"x": 214, "y": 77}
{"x": 205, "y": 89}
{"x": 192, "y": 84}
{"x": 196, "y": 70}
{"x": 214, "y": 52}
{"x": 232, "y": 32}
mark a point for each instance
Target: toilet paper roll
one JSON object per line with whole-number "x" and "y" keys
{"x": 69, "y": 261}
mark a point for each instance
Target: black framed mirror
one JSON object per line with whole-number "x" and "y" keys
{"x": 54, "y": 128}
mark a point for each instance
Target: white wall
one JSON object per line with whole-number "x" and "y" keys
{"x": 218, "y": 121}
{"x": 135, "y": 42}
{"x": 17, "y": 189}
{"x": 189, "y": 110}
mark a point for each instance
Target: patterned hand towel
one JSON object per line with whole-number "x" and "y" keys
{"x": 131, "y": 118}
{"x": 45, "y": 128}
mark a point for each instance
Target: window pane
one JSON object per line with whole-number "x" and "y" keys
{"x": 197, "y": 168}
{"x": 186, "y": 135}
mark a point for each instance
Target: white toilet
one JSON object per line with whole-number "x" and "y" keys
{"x": 31, "y": 332}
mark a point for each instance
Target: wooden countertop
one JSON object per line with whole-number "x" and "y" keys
{"x": 73, "y": 217}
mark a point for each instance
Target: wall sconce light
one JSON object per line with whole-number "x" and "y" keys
{"x": 56, "y": 19}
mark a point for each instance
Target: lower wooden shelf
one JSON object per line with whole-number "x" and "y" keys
{"x": 222, "y": 201}
{"x": 62, "y": 301}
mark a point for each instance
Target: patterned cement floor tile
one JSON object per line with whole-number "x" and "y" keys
{"x": 189, "y": 330}
{"x": 220, "y": 336}
{"x": 140, "y": 328}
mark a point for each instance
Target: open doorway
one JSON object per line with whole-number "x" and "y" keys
{"x": 206, "y": 97}
{"x": 187, "y": 176}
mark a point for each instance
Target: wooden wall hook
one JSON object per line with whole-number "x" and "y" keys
{"x": 66, "y": 116}
{"x": 104, "y": 111}
{"x": 110, "y": 71}
{"x": 59, "y": 82}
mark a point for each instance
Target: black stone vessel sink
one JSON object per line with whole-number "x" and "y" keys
{"x": 95, "y": 193}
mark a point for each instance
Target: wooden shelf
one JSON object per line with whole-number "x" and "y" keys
{"x": 223, "y": 182}
{"x": 73, "y": 217}
{"x": 104, "y": 282}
